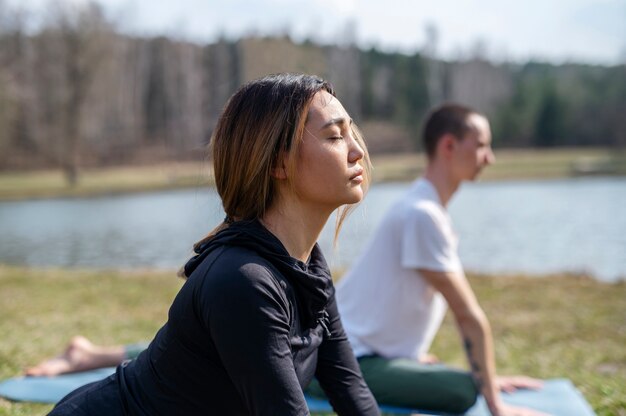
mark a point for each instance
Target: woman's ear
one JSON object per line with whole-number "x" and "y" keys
{"x": 279, "y": 171}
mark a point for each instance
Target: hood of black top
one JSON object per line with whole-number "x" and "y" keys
{"x": 311, "y": 281}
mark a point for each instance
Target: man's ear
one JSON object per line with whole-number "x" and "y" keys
{"x": 447, "y": 143}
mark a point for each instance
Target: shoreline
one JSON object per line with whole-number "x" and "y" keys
{"x": 95, "y": 194}
{"x": 512, "y": 164}
{"x": 131, "y": 272}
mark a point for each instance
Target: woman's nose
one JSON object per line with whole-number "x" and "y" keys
{"x": 356, "y": 152}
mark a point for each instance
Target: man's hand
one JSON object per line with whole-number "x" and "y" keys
{"x": 509, "y": 384}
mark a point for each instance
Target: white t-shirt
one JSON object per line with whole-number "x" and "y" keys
{"x": 386, "y": 306}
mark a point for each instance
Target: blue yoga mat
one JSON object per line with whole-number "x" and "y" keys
{"x": 49, "y": 389}
{"x": 559, "y": 397}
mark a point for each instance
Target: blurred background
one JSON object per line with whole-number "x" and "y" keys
{"x": 121, "y": 96}
{"x": 107, "y": 107}
{"x": 115, "y": 82}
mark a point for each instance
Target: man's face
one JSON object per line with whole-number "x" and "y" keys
{"x": 473, "y": 152}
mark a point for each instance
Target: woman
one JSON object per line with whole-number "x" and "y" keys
{"x": 257, "y": 319}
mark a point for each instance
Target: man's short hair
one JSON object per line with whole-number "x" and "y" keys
{"x": 448, "y": 118}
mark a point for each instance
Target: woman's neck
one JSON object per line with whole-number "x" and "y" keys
{"x": 298, "y": 229}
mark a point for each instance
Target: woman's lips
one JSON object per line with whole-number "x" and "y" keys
{"x": 358, "y": 176}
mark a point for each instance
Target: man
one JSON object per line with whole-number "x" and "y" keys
{"x": 393, "y": 299}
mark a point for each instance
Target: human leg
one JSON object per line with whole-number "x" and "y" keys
{"x": 97, "y": 398}
{"x": 408, "y": 383}
{"x": 82, "y": 355}
{"x": 131, "y": 351}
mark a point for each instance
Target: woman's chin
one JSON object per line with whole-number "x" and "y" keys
{"x": 356, "y": 196}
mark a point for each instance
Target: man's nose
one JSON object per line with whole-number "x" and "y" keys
{"x": 490, "y": 157}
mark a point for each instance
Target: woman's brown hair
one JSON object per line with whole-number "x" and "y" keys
{"x": 262, "y": 123}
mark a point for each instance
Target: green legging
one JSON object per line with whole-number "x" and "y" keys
{"x": 407, "y": 383}
{"x": 133, "y": 350}
{"x": 401, "y": 382}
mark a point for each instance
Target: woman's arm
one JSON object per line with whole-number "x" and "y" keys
{"x": 248, "y": 320}
{"x": 338, "y": 371}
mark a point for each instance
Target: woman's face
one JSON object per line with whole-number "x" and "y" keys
{"x": 328, "y": 173}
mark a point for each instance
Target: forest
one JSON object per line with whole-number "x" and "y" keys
{"x": 78, "y": 92}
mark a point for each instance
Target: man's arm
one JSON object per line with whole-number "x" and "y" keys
{"x": 476, "y": 334}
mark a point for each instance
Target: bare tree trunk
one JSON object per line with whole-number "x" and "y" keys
{"x": 434, "y": 79}
{"x": 81, "y": 33}
{"x": 76, "y": 78}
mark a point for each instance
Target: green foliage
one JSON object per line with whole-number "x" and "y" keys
{"x": 70, "y": 96}
{"x": 410, "y": 89}
{"x": 377, "y": 97}
{"x": 599, "y": 112}
{"x": 568, "y": 105}
{"x": 549, "y": 124}
{"x": 394, "y": 88}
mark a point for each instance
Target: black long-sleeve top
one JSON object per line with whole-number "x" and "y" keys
{"x": 245, "y": 335}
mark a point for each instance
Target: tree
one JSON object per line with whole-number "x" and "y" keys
{"x": 78, "y": 32}
{"x": 549, "y": 124}
{"x": 14, "y": 82}
{"x": 435, "y": 72}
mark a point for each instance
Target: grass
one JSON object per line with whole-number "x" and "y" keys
{"x": 41, "y": 309}
{"x": 555, "y": 326}
{"x": 558, "y": 326}
{"x": 49, "y": 184}
{"x": 511, "y": 164}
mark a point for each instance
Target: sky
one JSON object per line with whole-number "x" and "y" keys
{"x": 557, "y": 31}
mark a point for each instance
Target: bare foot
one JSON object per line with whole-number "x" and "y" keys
{"x": 80, "y": 355}
{"x": 429, "y": 359}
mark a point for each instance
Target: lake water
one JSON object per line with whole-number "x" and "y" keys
{"x": 537, "y": 227}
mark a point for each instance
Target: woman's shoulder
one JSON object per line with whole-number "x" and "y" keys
{"x": 231, "y": 279}
{"x": 240, "y": 268}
